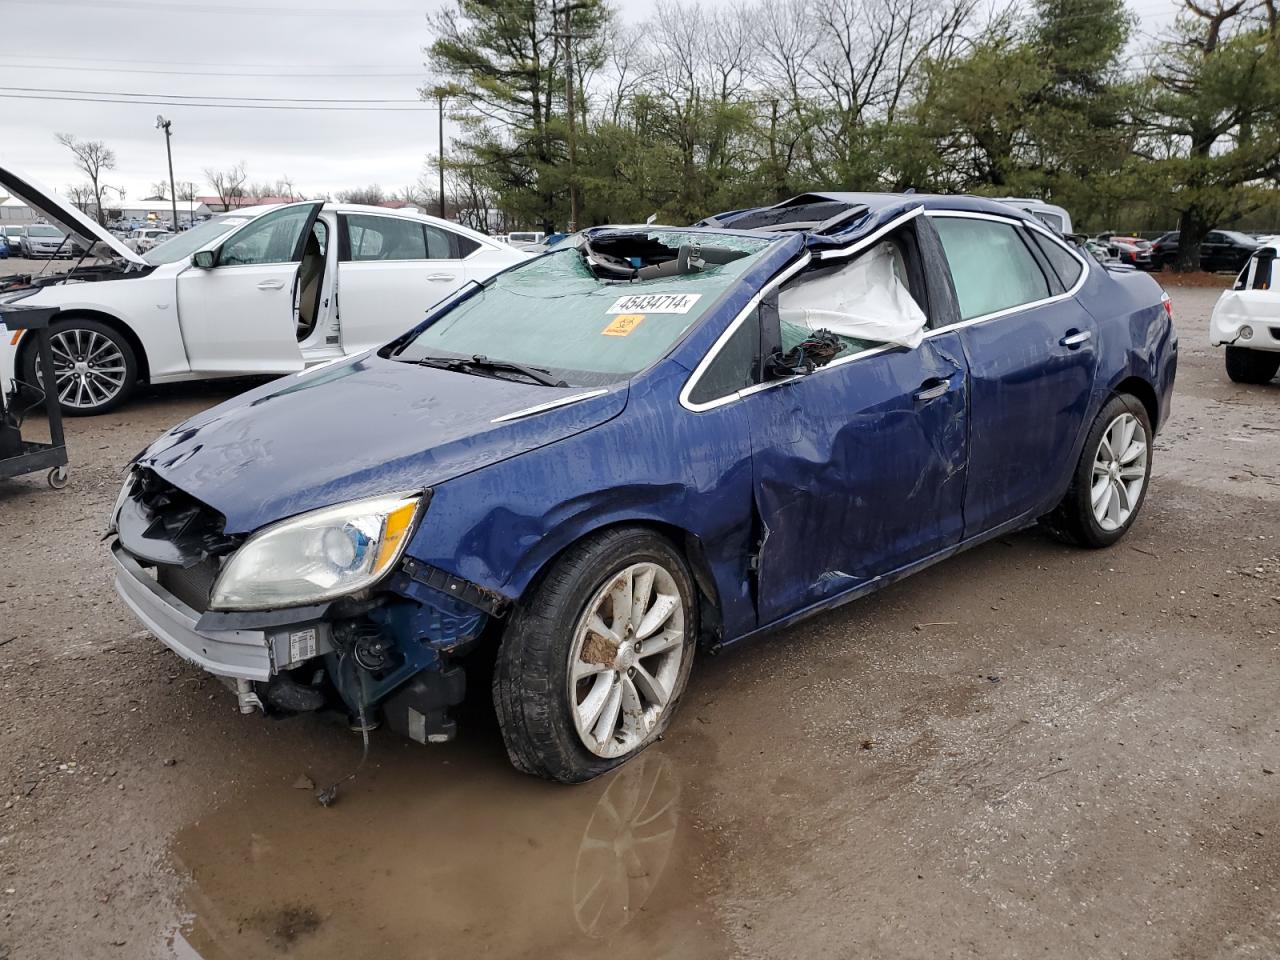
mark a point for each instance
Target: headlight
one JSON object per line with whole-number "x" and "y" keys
{"x": 318, "y": 556}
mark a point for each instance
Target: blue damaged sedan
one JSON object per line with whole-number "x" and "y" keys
{"x": 568, "y": 480}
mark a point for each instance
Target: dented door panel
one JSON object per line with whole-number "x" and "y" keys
{"x": 859, "y": 470}
{"x": 1030, "y": 405}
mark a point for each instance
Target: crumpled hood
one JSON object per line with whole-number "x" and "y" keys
{"x": 359, "y": 428}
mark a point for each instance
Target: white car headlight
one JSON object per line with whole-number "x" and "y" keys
{"x": 319, "y": 555}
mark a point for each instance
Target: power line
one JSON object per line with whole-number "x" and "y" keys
{"x": 226, "y": 10}
{"x": 229, "y": 106}
{"x": 208, "y": 63}
{"x": 327, "y": 75}
{"x": 196, "y": 96}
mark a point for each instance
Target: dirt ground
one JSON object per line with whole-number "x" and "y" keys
{"x": 1029, "y": 750}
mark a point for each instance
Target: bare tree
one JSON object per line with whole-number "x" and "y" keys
{"x": 228, "y": 184}
{"x": 93, "y": 157}
{"x": 372, "y": 194}
{"x": 81, "y": 196}
{"x": 160, "y": 189}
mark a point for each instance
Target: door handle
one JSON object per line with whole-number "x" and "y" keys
{"x": 270, "y": 284}
{"x": 441, "y": 277}
{"x": 931, "y": 389}
{"x": 1074, "y": 340}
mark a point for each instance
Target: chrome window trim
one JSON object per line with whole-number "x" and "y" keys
{"x": 783, "y": 276}
{"x": 869, "y": 239}
{"x": 768, "y": 288}
{"x": 549, "y": 405}
{"x": 1017, "y": 308}
{"x": 849, "y": 251}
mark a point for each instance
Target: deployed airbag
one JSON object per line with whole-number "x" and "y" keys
{"x": 866, "y": 299}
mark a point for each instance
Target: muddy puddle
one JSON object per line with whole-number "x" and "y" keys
{"x": 451, "y": 853}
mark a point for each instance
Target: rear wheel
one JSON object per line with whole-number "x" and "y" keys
{"x": 1109, "y": 485}
{"x": 93, "y": 364}
{"x": 593, "y": 663}
{"x": 1251, "y": 366}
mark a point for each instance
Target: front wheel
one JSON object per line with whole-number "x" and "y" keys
{"x": 594, "y": 661}
{"x": 1251, "y": 366}
{"x": 1109, "y": 485}
{"x": 93, "y": 365}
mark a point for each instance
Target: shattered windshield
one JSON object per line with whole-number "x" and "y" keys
{"x": 594, "y": 314}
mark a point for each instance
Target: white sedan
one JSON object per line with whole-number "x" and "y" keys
{"x": 263, "y": 290}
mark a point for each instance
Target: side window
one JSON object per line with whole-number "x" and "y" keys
{"x": 466, "y": 246}
{"x": 271, "y": 238}
{"x": 991, "y": 267}
{"x": 1215, "y": 237}
{"x": 1050, "y": 219}
{"x": 1066, "y": 266}
{"x": 439, "y": 243}
{"x": 385, "y": 238}
{"x": 734, "y": 367}
{"x": 865, "y": 302}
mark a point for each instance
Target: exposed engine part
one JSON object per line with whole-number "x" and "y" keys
{"x": 372, "y": 651}
{"x": 248, "y": 697}
{"x": 286, "y": 695}
{"x": 419, "y": 709}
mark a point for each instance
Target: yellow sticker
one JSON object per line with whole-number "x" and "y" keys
{"x": 623, "y": 324}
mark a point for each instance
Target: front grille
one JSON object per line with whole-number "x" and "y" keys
{"x": 191, "y": 585}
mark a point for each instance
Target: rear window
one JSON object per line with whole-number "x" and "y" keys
{"x": 1064, "y": 264}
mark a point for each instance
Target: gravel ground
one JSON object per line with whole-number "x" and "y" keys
{"x": 1029, "y": 750}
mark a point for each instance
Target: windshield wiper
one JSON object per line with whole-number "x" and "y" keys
{"x": 481, "y": 362}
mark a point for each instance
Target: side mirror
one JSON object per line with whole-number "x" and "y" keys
{"x": 204, "y": 259}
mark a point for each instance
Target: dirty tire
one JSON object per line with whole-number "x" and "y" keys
{"x": 1073, "y": 520}
{"x": 531, "y": 675}
{"x": 1251, "y": 366}
{"x": 86, "y": 328}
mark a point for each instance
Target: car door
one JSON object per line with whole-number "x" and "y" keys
{"x": 1032, "y": 353}
{"x": 391, "y": 270}
{"x": 1215, "y": 251}
{"x": 240, "y": 315}
{"x": 858, "y": 467}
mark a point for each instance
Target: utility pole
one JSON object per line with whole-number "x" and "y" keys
{"x": 571, "y": 113}
{"x": 440, "y": 117}
{"x": 163, "y": 124}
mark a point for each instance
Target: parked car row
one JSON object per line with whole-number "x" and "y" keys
{"x": 1221, "y": 250}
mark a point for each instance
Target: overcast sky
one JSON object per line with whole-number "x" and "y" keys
{"x": 364, "y": 49}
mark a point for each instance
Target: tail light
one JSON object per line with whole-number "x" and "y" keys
{"x": 1168, "y": 305}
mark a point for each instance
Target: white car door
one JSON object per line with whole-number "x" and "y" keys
{"x": 240, "y": 314}
{"x": 391, "y": 270}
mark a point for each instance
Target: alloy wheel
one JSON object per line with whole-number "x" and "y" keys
{"x": 88, "y": 368}
{"x": 1119, "y": 472}
{"x": 625, "y": 660}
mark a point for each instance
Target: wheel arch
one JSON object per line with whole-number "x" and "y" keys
{"x": 1142, "y": 390}
{"x": 27, "y": 344}
{"x": 689, "y": 545}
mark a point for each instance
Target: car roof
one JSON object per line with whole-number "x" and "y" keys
{"x": 331, "y": 207}
{"x": 848, "y": 216}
